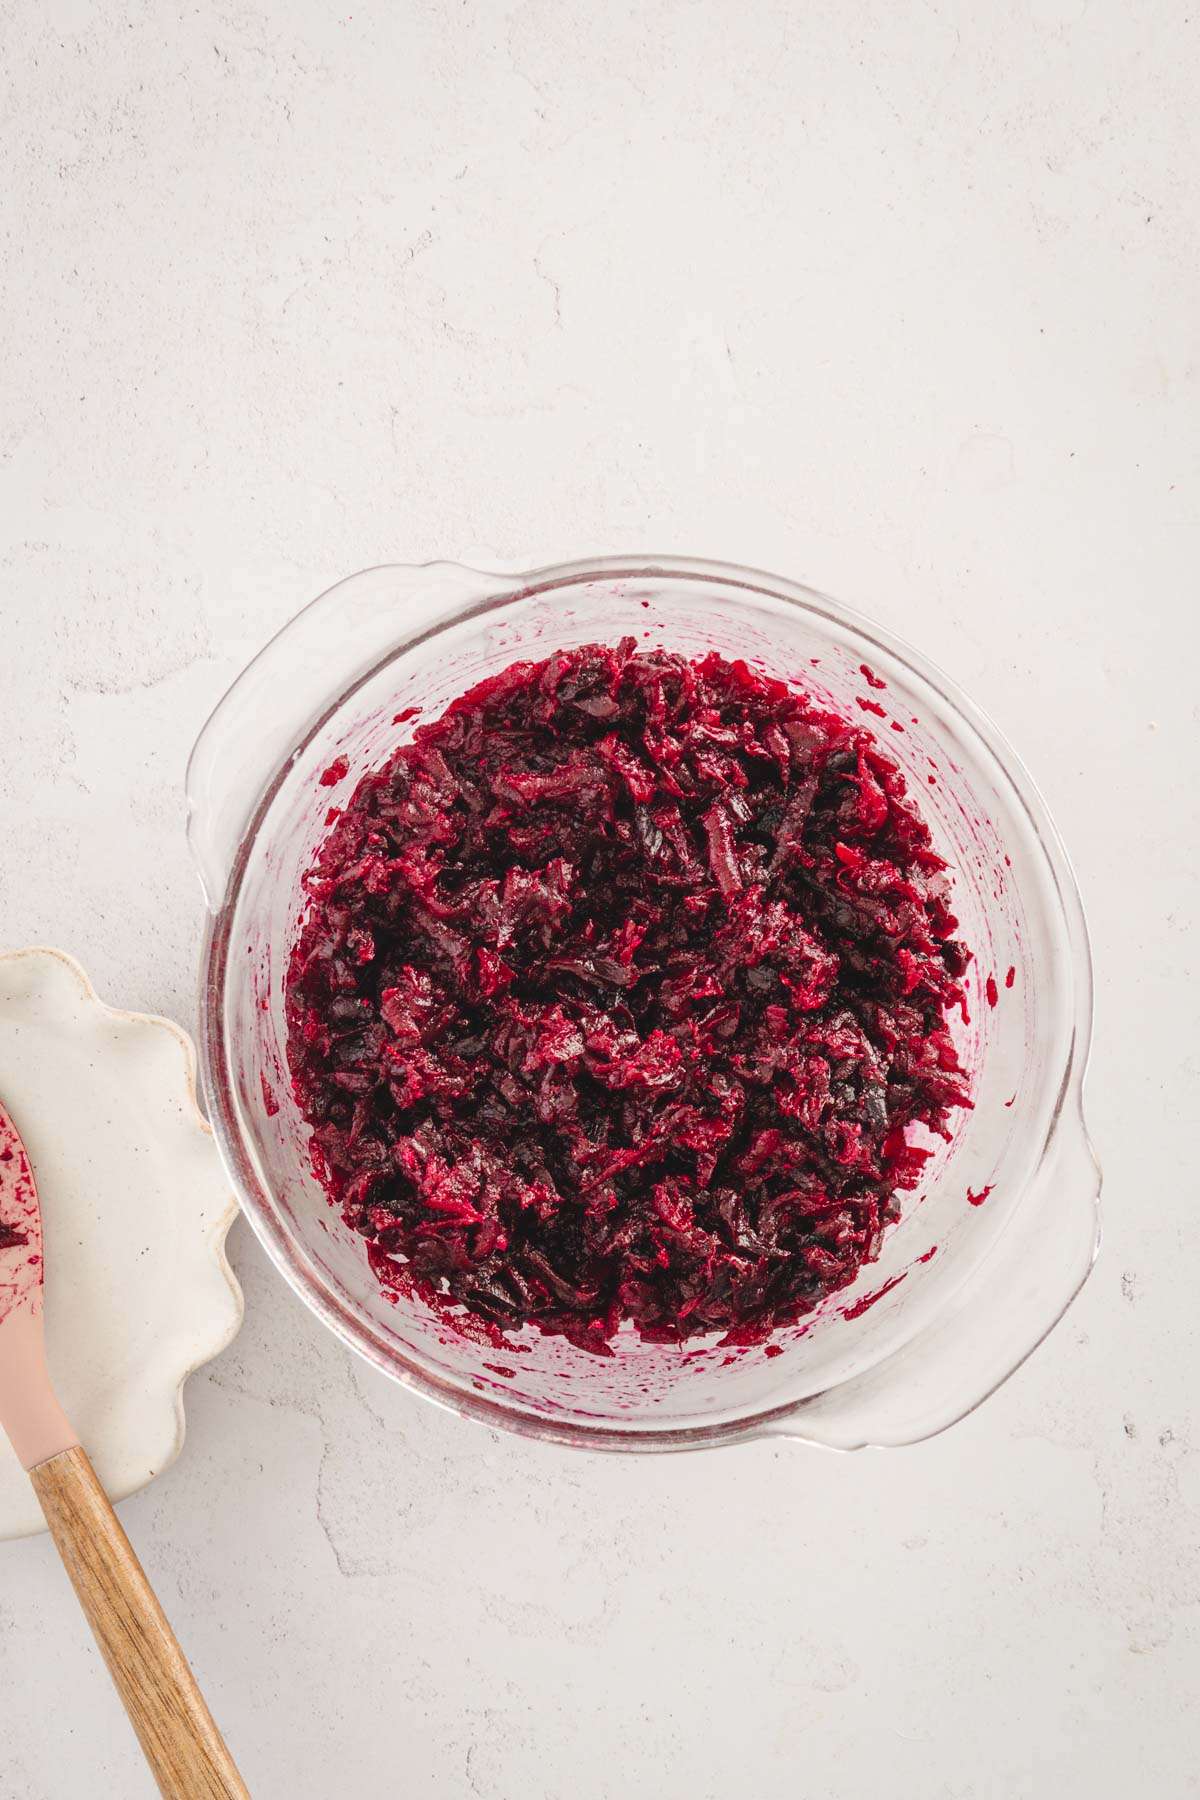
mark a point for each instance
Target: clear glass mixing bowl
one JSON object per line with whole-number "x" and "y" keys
{"x": 935, "y": 1342}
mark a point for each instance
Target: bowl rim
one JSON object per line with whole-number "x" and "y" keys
{"x": 502, "y": 589}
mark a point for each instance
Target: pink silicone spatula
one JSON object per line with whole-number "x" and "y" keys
{"x": 181, "y": 1742}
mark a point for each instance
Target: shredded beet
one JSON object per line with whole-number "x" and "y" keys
{"x": 10, "y": 1237}
{"x": 617, "y": 992}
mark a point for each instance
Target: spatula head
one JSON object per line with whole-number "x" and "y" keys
{"x": 21, "y": 1268}
{"x": 29, "y": 1412}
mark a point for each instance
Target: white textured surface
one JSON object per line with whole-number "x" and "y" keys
{"x": 895, "y": 299}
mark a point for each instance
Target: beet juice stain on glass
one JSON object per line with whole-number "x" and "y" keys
{"x": 504, "y": 926}
{"x": 617, "y": 994}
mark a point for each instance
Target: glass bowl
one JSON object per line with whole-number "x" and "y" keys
{"x": 1011, "y": 1204}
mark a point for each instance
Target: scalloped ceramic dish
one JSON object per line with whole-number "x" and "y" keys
{"x": 135, "y": 1208}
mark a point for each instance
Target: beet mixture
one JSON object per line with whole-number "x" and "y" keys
{"x": 616, "y": 995}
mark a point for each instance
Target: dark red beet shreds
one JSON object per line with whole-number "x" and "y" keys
{"x": 616, "y": 994}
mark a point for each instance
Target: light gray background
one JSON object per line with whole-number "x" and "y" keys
{"x": 900, "y": 299}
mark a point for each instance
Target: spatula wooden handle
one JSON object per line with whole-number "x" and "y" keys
{"x": 166, "y": 1708}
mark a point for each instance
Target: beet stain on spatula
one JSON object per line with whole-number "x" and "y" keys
{"x": 178, "y": 1735}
